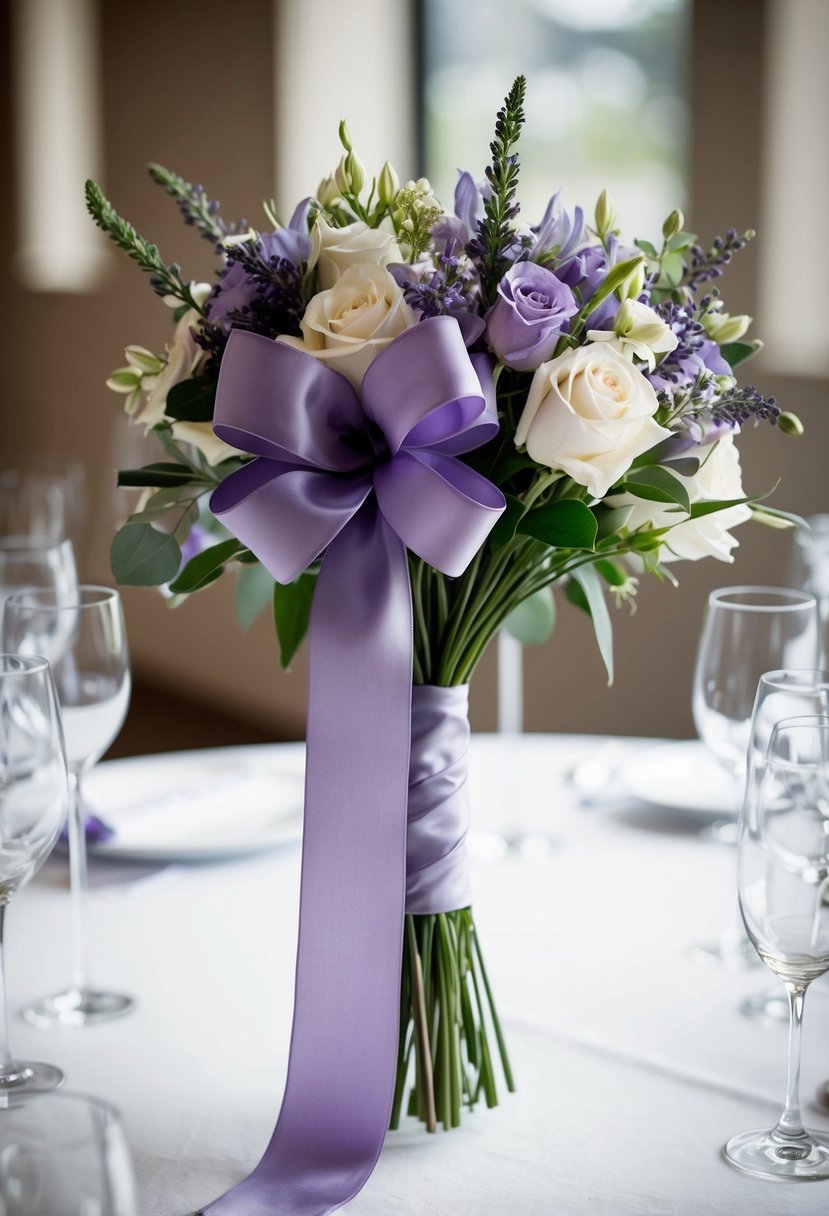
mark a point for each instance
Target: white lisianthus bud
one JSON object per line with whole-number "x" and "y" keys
{"x": 387, "y": 185}
{"x": 637, "y": 331}
{"x": 341, "y": 177}
{"x": 328, "y": 192}
{"x": 143, "y": 360}
{"x": 723, "y": 328}
{"x": 356, "y": 172}
{"x": 605, "y": 214}
{"x": 673, "y": 224}
{"x": 634, "y": 285}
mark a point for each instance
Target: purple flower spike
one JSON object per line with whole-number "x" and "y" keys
{"x": 533, "y": 308}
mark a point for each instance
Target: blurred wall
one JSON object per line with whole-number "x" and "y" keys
{"x": 192, "y": 85}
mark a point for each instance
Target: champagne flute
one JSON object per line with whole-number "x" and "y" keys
{"x": 780, "y": 694}
{"x": 747, "y": 631}
{"x": 33, "y": 796}
{"x": 86, "y": 643}
{"x": 782, "y": 877}
{"x": 66, "y": 1155}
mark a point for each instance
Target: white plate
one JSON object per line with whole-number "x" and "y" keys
{"x": 198, "y": 805}
{"x": 682, "y": 776}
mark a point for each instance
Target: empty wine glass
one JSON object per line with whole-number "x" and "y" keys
{"x": 64, "y": 1155}
{"x": 780, "y": 694}
{"x": 33, "y": 507}
{"x": 27, "y": 564}
{"x": 783, "y": 875}
{"x": 33, "y": 796}
{"x": 86, "y": 644}
{"x": 747, "y": 631}
{"x": 809, "y": 569}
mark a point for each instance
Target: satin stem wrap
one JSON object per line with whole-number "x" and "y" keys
{"x": 360, "y": 479}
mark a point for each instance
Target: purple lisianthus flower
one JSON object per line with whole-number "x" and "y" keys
{"x": 533, "y": 308}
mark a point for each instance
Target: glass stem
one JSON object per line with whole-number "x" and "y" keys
{"x": 5, "y": 1053}
{"x": 790, "y": 1123}
{"x": 78, "y": 883}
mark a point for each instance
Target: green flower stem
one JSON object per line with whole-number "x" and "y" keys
{"x": 417, "y": 999}
{"x": 496, "y": 1024}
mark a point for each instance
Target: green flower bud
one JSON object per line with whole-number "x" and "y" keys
{"x": 328, "y": 192}
{"x": 605, "y": 214}
{"x": 341, "y": 178}
{"x": 673, "y": 224}
{"x": 345, "y": 136}
{"x": 387, "y": 185}
{"x": 790, "y": 424}
{"x": 724, "y": 328}
{"x": 355, "y": 171}
{"x": 634, "y": 285}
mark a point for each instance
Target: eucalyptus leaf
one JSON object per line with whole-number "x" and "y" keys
{"x": 591, "y": 584}
{"x": 532, "y": 622}
{"x": 254, "y": 593}
{"x": 141, "y": 556}
{"x": 646, "y": 247}
{"x": 205, "y": 567}
{"x": 292, "y": 612}
{"x": 567, "y": 524}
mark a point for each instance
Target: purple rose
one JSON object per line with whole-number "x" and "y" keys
{"x": 533, "y": 308}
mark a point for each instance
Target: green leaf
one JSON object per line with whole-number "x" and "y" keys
{"x": 141, "y": 556}
{"x": 510, "y": 464}
{"x": 504, "y": 530}
{"x": 591, "y": 584}
{"x": 254, "y": 592}
{"x": 657, "y": 484}
{"x": 647, "y": 248}
{"x": 613, "y": 573}
{"x": 205, "y": 567}
{"x": 157, "y": 475}
{"x": 611, "y": 521}
{"x": 291, "y": 612}
{"x": 568, "y": 524}
{"x": 533, "y": 620}
{"x": 191, "y": 401}
{"x": 617, "y": 276}
{"x": 685, "y": 466}
{"x": 698, "y": 509}
{"x": 673, "y": 268}
{"x": 162, "y": 503}
{"x": 738, "y": 352}
{"x": 773, "y": 517}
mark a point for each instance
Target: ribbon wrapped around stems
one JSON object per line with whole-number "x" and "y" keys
{"x": 360, "y": 480}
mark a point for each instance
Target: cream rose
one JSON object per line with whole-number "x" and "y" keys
{"x": 335, "y": 250}
{"x": 589, "y": 413}
{"x": 353, "y": 321}
{"x": 718, "y": 477}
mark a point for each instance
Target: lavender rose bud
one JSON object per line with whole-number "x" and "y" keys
{"x": 533, "y": 308}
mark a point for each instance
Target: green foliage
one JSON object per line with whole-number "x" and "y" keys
{"x": 192, "y": 199}
{"x": 166, "y": 280}
{"x": 567, "y": 524}
{"x": 495, "y": 232}
{"x": 504, "y": 529}
{"x": 156, "y": 475}
{"x": 142, "y": 556}
{"x": 254, "y": 593}
{"x": 291, "y": 614}
{"x": 590, "y": 582}
{"x": 206, "y": 567}
{"x": 533, "y": 621}
{"x": 191, "y": 401}
{"x": 657, "y": 484}
{"x": 735, "y": 353}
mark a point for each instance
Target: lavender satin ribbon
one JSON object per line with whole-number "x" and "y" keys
{"x": 361, "y": 480}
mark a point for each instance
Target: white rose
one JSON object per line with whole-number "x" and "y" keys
{"x": 348, "y": 325}
{"x": 200, "y": 435}
{"x": 638, "y": 330}
{"x": 718, "y": 477}
{"x": 334, "y": 250}
{"x": 589, "y": 413}
{"x": 183, "y": 357}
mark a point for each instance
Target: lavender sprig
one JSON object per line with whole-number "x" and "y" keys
{"x": 739, "y": 405}
{"x": 165, "y": 280}
{"x": 706, "y": 266}
{"x": 197, "y": 210}
{"x": 487, "y": 248}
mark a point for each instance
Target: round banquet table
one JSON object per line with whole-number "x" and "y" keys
{"x": 632, "y": 1063}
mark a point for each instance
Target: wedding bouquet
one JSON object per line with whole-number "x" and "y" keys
{"x": 582, "y": 431}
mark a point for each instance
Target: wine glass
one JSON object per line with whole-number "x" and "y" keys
{"x": 33, "y": 797}
{"x": 24, "y": 563}
{"x": 809, "y": 569}
{"x": 780, "y": 694}
{"x": 33, "y": 507}
{"x": 86, "y": 643}
{"x": 747, "y": 631}
{"x": 66, "y": 1155}
{"x": 782, "y": 877}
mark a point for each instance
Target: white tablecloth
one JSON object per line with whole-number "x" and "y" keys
{"x": 632, "y": 1062}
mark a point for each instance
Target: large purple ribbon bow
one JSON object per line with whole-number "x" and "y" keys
{"x": 359, "y": 480}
